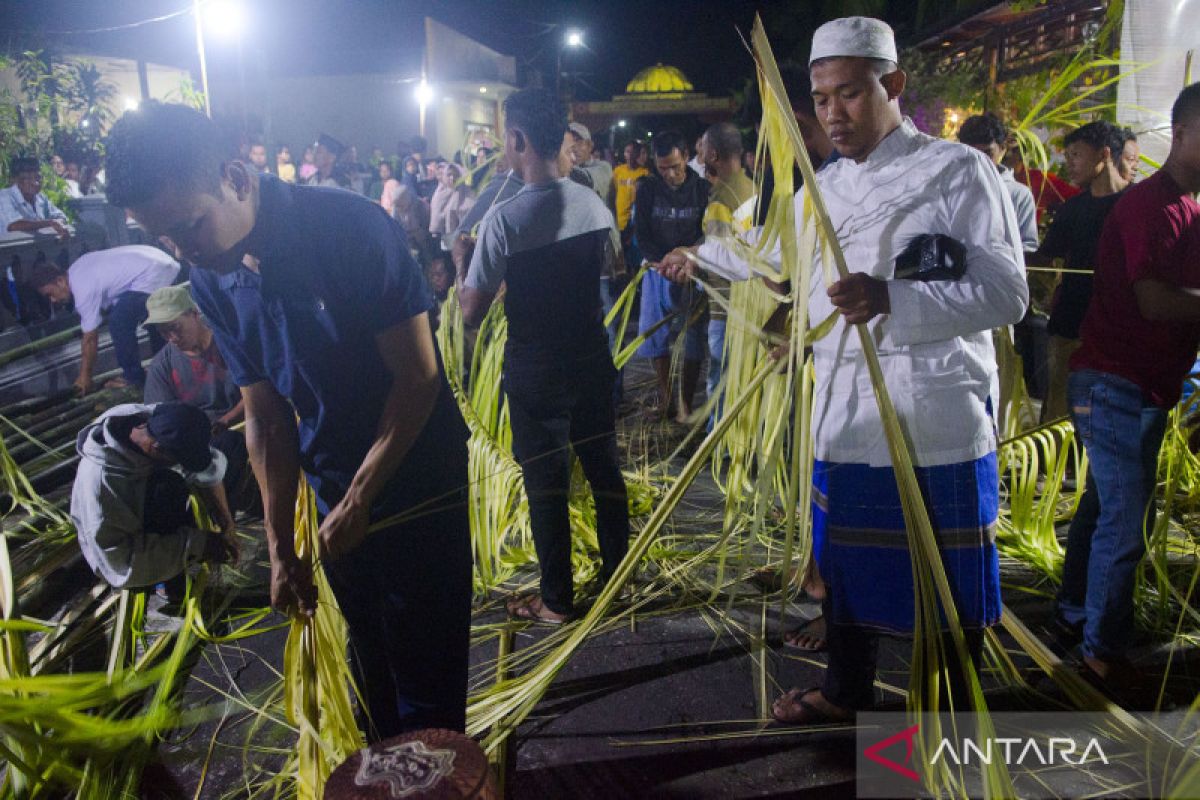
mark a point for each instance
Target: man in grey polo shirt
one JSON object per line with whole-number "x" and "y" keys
{"x": 549, "y": 245}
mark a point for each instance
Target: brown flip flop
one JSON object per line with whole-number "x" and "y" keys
{"x": 530, "y": 608}
{"x": 807, "y": 713}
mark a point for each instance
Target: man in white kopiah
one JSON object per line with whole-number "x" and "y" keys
{"x": 892, "y": 185}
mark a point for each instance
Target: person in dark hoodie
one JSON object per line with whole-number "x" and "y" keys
{"x": 668, "y": 213}
{"x": 129, "y": 502}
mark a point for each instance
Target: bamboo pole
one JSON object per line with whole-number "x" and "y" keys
{"x": 38, "y": 345}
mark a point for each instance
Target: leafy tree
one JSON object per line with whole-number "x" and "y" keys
{"x": 59, "y": 107}
{"x": 90, "y": 96}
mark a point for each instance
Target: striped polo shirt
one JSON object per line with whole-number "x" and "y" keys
{"x": 549, "y": 244}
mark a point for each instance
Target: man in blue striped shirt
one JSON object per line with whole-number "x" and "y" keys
{"x": 23, "y": 207}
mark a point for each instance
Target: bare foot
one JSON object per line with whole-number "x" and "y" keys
{"x": 809, "y": 637}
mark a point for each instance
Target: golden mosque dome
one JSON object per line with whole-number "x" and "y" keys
{"x": 659, "y": 79}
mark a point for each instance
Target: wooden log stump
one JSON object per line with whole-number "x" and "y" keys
{"x": 422, "y": 765}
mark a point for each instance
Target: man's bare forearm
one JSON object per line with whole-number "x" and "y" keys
{"x": 408, "y": 352}
{"x": 777, "y": 324}
{"x": 88, "y": 349}
{"x": 273, "y": 442}
{"x": 236, "y": 414}
{"x": 408, "y": 408}
{"x": 29, "y": 225}
{"x": 1163, "y": 302}
{"x": 217, "y": 503}
{"x": 474, "y": 302}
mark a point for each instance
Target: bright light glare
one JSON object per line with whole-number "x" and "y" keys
{"x": 424, "y": 93}
{"x": 621, "y": 124}
{"x": 131, "y": 103}
{"x": 483, "y": 90}
{"x": 223, "y": 17}
{"x": 574, "y": 39}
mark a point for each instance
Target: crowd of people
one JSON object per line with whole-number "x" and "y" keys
{"x": 314, "y": 303}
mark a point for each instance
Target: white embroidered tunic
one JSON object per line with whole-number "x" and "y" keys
{"x": 935, "y": 346}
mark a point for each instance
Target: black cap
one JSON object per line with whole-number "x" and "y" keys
{"x": 183, "y": 431}
{"x": 331, "y": 144}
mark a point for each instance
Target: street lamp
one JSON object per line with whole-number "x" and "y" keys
{"x": 573, "y": 39}
{"x": 223, "y": 18}
{"x": 200, "y": 51}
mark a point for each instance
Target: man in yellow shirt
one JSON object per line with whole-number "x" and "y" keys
{"x": 621, "y": 193}
{"x": 625, "y": 178}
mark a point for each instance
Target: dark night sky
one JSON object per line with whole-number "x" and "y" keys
{"x": 340, "y": 36}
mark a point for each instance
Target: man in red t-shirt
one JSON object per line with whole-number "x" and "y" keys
{"x": 1139, "y": 339}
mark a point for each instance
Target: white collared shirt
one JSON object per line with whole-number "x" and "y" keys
{"x": 100, "y": 277}
{"x": 935, "y": 346}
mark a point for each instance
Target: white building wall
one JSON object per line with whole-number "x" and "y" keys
{"x": 1158, "y": 33}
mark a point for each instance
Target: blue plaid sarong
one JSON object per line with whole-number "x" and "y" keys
{"x": 861, "y": 544}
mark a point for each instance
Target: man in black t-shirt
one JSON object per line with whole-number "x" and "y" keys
{"x": 1093, "y": 164}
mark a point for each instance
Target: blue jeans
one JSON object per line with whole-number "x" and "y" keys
{"x": 1107, "y": 538}
{"x": 127, "y": 313}
{"x": 716, "y": 352}
{"x": 662, "y": 300}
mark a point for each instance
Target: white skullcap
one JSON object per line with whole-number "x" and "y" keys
{"x": 861, "y": 37}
